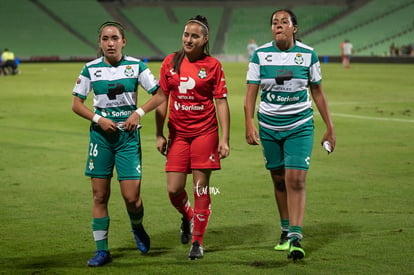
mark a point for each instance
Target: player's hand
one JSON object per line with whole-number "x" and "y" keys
{"x": 162, "y": 145}
{"x": 331, "y": 138}
{"x": 252, "y": 136}
{"x": 107, "y": 125}
{"x": 224, "y": 150}
{"x": 132, "y": 123}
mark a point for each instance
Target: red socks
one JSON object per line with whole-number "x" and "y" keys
{"x": 182, "y": 204}
{"x": 202, "y": 210}
{"x": 201, "y": 213}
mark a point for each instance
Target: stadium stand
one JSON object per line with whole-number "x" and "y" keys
{"x": 67, "y": 30}
{"x": 70, "y": 14}
{"x": 166, "y": 33}
{"x": 244, "y": 26}
{"x": 371, "y": 29}
{"x": 29, "y": 32}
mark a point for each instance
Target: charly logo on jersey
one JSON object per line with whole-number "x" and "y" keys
{"x": 299, "y": 59}
{"x": 98, "y": 73}
{"x": 268, "y": 58}
{"x": 129, "y": 72}
{"x": 202, "y": 73}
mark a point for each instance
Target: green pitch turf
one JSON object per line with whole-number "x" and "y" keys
{"x": 359, "y": 217}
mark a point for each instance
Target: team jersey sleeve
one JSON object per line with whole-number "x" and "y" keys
{"x": 220, "y": 89}
{"x": 315, "y": 73}
{"x": 147, "y": 79}
{"x": 163, "y": 76}
{"x": 83, "y": 84}
{"x": 253, "y": 72}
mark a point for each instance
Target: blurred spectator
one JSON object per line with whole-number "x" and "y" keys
{"x": 406, "y": 50}
{"x": 393, "y": 50}
{"x": 8, "y": 63}
{"x": 346, "y": 53}
{"x": 251, "y": 47}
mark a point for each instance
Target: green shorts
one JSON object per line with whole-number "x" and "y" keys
{"x": 290, "y": 149}
{"x": 121, "y": 149}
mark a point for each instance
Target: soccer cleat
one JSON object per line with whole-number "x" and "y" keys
{"x": 283, "y": 245}
{"x": 186, "y": 230}
{"x": 296, "y": 251}
{"x": 101, "y": 257}
{"x": 142, "y": 239}
{"x": 196, "y": 251}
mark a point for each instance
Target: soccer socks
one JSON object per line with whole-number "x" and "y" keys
{"x": 136, "y": 218}
{"x": 100, "y": 228}
{"x": 182, "y": 204}
{"x": 295, "y": 231}
{"x": 284, "y": 225}
{"x": 142, "y": 239}
{"x": 202, "y": 211}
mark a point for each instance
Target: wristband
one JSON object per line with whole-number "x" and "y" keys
{"x": 96, "y": 118}
{"x": 140, "y": 112}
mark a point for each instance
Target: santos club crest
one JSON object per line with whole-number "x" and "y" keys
{"x": 129, "y": 72}
{"x": 202, "y": 73}
{"x": 299, "y": 59}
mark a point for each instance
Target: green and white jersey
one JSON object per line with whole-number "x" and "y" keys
{"x": 115, "y": 87}
{"x": 284, "y": 78}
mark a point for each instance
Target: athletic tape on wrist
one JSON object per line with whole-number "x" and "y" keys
{"x": 96, "y": 118}
{"x": 140, "y": 112}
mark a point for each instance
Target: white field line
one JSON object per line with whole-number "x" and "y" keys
{"x": 373, "y": 118}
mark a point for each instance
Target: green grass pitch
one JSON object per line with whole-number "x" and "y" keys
{"x": 359, "y": 217}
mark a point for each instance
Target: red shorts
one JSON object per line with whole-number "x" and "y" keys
{"x": 188, "y": 153}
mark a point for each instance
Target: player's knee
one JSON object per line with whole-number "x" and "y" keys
{"x": 297, "y": 184}
{"x": 100, "y": 198}
{"x": 132, "y": 200}
{"x": 280, "y": 184}
{"x": 278, "y": 177}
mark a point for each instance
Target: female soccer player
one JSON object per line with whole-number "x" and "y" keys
{"x": 193, "y": 80}
{"x": 284, "y": 69}
{"x": 114, "y": 132}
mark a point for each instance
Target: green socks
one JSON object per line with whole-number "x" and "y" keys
{"x": 100, "y": 228}
{"x": 295, "y": 232}
{"x": 284, "y": 225}
{"x": 136, "y": 218}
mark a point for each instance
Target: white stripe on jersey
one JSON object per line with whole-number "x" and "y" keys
{"x": 283, "y": 59}
{"x": 113, "y": 73}
{"x": 296, "y": 84}
{"x": 279, "y": 110}
{"x": 286, "y": 127}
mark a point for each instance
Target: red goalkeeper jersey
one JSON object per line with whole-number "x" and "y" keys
{"x": 192, "y": 93}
